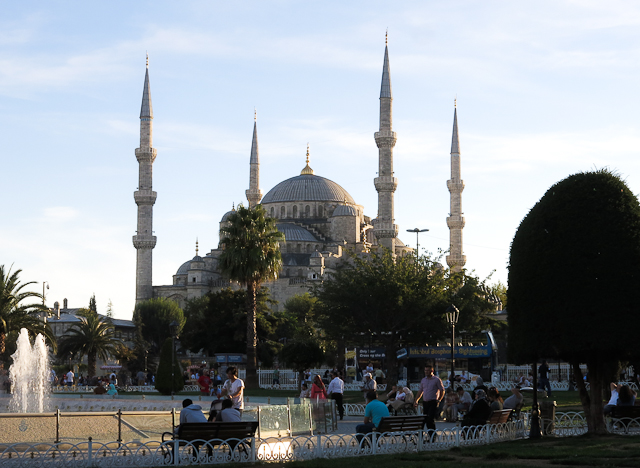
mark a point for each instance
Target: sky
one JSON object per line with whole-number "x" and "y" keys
{"x": 544, "y": 89}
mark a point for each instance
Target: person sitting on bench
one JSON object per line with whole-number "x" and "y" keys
{"x": 479, "y": 412}
{"x": 190, "y": 413}
{"x": 373, "y": 413}
{"x": 228, "y": 413}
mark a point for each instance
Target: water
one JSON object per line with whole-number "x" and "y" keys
{"x": 30, "y": 375}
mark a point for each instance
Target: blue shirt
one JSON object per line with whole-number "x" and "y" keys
{"x": 376, "y": 410}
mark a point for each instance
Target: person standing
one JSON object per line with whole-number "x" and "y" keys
{"x": 369, "y": 385}
{"x": 432, "y": 392}
{"x": 205, "y": 384}
{"x": 70, "y": 377}
{"x": 234, "y": 388}
{"x": 543, "y": 372}
{"x": 276, "y": 376}
{"x": 336, "y": 390}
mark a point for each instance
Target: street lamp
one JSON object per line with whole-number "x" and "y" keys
{"x": 146, "y": 352}
{"x": 452, "y": 317}
{"x": 43, "y": 283}
{"x": 417, "y": 231}
{"x": 173, "y": 327}
{"x": 535, "y": 432}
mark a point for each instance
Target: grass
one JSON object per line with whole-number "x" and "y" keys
{"x": 606, "y": 451}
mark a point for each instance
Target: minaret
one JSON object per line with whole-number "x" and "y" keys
{"x": 144, "y": 241}
{"x": 455, "y": 221}
{"x": 383, "y": 227}
{"x": 254, "y": 195}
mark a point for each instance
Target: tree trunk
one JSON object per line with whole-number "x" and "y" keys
{"x": 390, "y": 361}
{"x": 592, "y": 403}
{"x": 252, "y": 337}
{"x": 91, "y": 360}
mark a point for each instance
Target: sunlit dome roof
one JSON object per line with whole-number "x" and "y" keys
{"x": 345, "y": 210}
{"x": 293, "y": 232}
{"x": 307, "y": 187}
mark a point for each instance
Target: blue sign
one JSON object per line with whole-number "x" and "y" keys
{"x": 444, "y": 352}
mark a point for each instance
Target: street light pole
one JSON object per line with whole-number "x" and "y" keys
{"x": 43, "y": 283}
{"x": 453, "y": 314}
{"x": 173, "y": 327}
{"x": 417, "y": 231}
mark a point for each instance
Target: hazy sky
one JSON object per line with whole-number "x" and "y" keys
{"x": 545, "y": 89}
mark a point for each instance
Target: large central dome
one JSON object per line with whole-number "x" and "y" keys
{"x": 307, "y": 187}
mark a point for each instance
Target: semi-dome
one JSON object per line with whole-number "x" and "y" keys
{"x": 307, "y": 187}
{"x": 186, "y": 266}
{"x": 345, "y": 210}
{"x": 293, "y": 232}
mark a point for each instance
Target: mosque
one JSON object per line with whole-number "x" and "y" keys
{"x": 320, "y": 220}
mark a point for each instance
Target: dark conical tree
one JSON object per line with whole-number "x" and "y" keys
{"x": 163, "y": 376}
{"x": 573, "y": 281}
{"x": 250, "y": 256}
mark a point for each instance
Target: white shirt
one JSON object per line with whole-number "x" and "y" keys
{"x": 70, "y": 376}
{"x": 230, "y": 415}
{"x": 614, "y": 398}
{"x": 336, "y": 386}
{"x": 233, "y": 387}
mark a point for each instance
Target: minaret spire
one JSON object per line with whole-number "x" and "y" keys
{"x": 383, "y": 226}
{"x": 144, "y": 241}
{"x": 254, "y": 195}
{"x": 456, "y": 260}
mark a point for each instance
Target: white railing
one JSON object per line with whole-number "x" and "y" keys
{"x": 90, "y": 454}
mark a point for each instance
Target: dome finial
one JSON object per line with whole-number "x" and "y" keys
{"x": 386, "y": 37}
{"x": 255, "y": 114}
{"x": 196, "y": 246}
{"x": 233, "y": 206}
{"x": 147, "y": 59}
{"x": 307, "y": 169}
{"x": 455, "y": 101}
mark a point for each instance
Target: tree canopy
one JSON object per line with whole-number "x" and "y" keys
{"x": 396, "y": 301}
{"x": 573, "y": 280}
{"x": 152, "y": 319}
{"x": 18, "y": 311}
{"x": 251, "y": 256}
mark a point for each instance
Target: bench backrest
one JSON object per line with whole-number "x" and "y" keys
{"x": 401, "y": 423}
{"x": 217, "y": 430}
{"x": 625, "y": 411}
{"x": 499, "y": 416}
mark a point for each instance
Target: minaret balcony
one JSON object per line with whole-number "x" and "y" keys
{"x": 455, "y": 260}
{"x": 146, "y": 154}
{"x": 145, "y": 197}
{"x": 385, "y": 138}
{"x": 455, "y": 222}
{"x": 385, "y": 183}
{"x": 383, "y": 228}
{"x": 144, "y": 242}
{"x": 455, "y": 186}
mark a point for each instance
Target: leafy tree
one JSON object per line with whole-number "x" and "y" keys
{"x": 152, "y": 319}
{"x": 573, "y": 281}
{"x": 396, "y": 301}
{"x": 250, "y": 256}
{"x": 92, "y": 304}
{"x": 93, "y": 337}
{"x": 110, "y": 309}
{"x": 299, "y": 319}
{"x": 302, "y": 354}
{"x": 217, "y": 322}
{"x": 163, "y": 376}
{"x": 15, "y": 313}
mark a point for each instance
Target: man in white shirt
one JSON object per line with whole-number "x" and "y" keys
{"x": 336, "y": 390}
{"x": 70, "y": 377}
{"x": 228, "y": 414}
{"x": 234, "y": 389}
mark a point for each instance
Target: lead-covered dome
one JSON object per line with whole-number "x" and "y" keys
{"x": 307, "y": 187}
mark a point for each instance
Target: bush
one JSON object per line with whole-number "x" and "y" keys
{"x": 163, "y": 376}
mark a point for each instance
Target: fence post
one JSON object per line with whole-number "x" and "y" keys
{"x": 119, "y": 427}
{"x": 310, "y": 419}
{"x": 319, "y": 446}
{"x": 421, "y": 440}
{"x": 457, "y": 436}
{"x": 90, "y": 450}
{"x": 253, "y": 449}
{"x": 374, "y": 443}
{"x": 173, "y": 420}
{"x": 176, "y": 451}
{"x": 259, "y": 424}
{"x": 58, "y": 426}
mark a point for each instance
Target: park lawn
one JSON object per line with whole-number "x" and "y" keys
{"x": 623, "y": 451}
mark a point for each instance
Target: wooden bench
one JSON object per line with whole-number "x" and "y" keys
{"x": 401, "y": 424}
{"x": 624, "y": 415}
{"x": 499, "y": 416}
{"x": 214, "y": 433}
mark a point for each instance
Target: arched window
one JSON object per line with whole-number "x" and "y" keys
{"x": 308, "y": 248}
{"x": 298, "y": 248}
{"x": 272, "y": 212}
{"x": 295, "y": 211}
{"x": 288, "y": 272}
{"x": 307, "y": 211}
{"x": 320, "y": 211}
{"x": 282, "y": 212}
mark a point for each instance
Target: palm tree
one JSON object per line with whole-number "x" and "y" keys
{"x": 94, "y": 337}
{"x": 250, "y": 256}
{"x": 15, "y": 313}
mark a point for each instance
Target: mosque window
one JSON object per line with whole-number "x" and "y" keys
{"x": 288, "y": 272}
{"x": 272, "y": 212}
{"x": 320, "y": 211}
{"x": 298, "y": 248}
{"x": 295, "y": 211}
{"x": 307, "y": 211}
{"x": 282, "y": 211}
{"x": 308, "y": 248}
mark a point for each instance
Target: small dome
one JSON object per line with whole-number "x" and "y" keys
{"x": 316, "y": 254}
{"x": 197, "y": 258}
{"x": 184, "y": 268}
{"x": 225, "y": 217}
{"x": 345, "y": 210}
{"x": 293, "y": 232}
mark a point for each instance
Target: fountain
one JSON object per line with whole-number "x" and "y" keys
{"x": 29, "y": 374}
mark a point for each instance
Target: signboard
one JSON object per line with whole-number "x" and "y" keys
{"x": 364, "y": 354}
{"x": 444, "y": 352}
{"x": 235, "y": 358}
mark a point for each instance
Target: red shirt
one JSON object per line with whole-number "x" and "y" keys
{"x": 204, "y": 381}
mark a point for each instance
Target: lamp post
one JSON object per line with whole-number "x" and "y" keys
{"x": 146, "y": 352}
{"x": 417, "y": 231}
{"x": 43, "y": 283}
{"x": 173, "y": 327}
{"x": 452, "y": 317}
